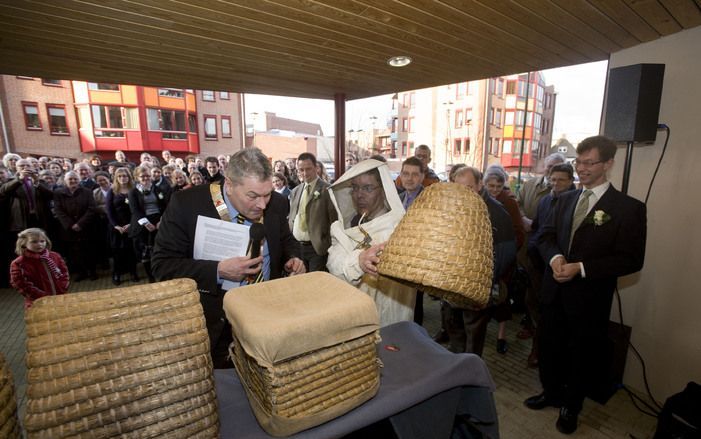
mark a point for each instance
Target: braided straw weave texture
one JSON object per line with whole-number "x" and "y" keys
{"x": 9, "y": 426}
{"x": 129, "y": 362}
{"x": 311, "y": 389}
{"x": 443, "y": 246}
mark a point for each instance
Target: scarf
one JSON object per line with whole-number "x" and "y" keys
{"x": 45, "y": 256}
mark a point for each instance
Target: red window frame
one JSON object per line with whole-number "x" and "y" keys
{"x": 404, "y": 151}
{"x": 457, "y": 146}
{"x": 26, "y": 104}
{"x": 204, "y": 126}
{"x": 208, "y": 100}
{"x": 405, "y": 124}
{"x": 65, "y": 115}
{"x": 222, "y": 119}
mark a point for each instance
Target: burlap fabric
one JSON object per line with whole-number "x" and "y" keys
{"x": 443, "y": 246}
{"x": 130, "y": 362}
{"x": 304, "y": 348}
{"x": 9, "y": 425}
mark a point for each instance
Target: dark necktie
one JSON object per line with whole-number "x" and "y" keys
{"x": 240, "y": 219}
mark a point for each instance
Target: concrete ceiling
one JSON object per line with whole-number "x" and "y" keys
{"x": 318, "y": 49}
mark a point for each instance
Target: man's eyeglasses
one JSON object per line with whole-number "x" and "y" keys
{"x": 586, "y": 163}
{"x": 368, "y": 188}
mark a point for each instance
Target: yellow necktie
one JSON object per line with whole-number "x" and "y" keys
{"x": 580, "y": 212}
{"x": 303, "y": 208}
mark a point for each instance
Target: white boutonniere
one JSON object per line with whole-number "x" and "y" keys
{"x": 126, "y": 200}
{"x": 600, "y": 217}
{"x": 316, "y": 194}
{"x": 160, "y": 196}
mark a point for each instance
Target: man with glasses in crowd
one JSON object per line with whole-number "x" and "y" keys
{"x": 595, "y": 235}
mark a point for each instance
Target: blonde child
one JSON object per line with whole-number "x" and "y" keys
{"x": 38, "y": 271}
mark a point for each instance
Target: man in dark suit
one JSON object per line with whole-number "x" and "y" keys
{"x": 593, "y": 236}
{"x": 311, "y": 214}
{"x": 246, "y": 191}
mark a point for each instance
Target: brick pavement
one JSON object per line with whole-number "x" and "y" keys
{"x": 617, "y": 419}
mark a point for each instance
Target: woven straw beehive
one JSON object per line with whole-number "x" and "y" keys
{"x": 443, "y": 246}
{"x": 9, "y": 427}
{"x": 304, "y": 348}
{"x": 130, "y": 361}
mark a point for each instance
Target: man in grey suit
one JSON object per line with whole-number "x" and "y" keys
{"x": 593, "y": 236}
{"x": 311, "y": 214}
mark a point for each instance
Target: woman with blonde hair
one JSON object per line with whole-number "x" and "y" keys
{"x": 119, "y": 217}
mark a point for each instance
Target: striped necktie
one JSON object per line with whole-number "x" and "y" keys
{"x": 580, "y": 212}
{"x": 240, "y": 219}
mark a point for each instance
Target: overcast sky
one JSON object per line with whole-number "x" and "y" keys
{"x": 580, "y": 91}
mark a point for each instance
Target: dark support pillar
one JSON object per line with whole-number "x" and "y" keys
{"x": 340, "y": 138}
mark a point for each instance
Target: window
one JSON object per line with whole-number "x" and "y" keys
{"x": 490, "y": 116}
{"x": 522, "y": 86}
{"x": 404, "y": 151}
{"x": 509, "y": 118}
{"x": 411, "y": 148}
{"x": 224, "y": 95}
{"x": 405, "y": 100}
{"x": 500, "y": 87}
{"x": 495, "y": 147}
{"x": 28, "y": 78}
{"x": 51, "y": 82}
{"x": 497, "y": 122}
{"x": 519, "y": 118}
{"x": 411, "y": 124}
{"x": 171, "y": 122}
{"x": 468, "y": 116}
{"x": 226, "y": 126}
{"x": 111, "y": 121}
{"x": 458, "y": 119}
{"x": 171, "y": 92}
{"x": 562, "y": 149}
{"x": 457, "y": 146}
{"x": 467, "y": 145}
{"x": 208, "y": 95}
{"x": 507, "y": 146}
{"x": 102, "y": 86}
{"x": 31, "y": 116}
{"x": 192, "y": 122}
{"x": 510, "y": 87}
{"x": 462, "y": 89}
{"x": 412, "y": 99}
{"x": 210, "y": 127}
{"x": 58, "y": 125}
{"x": 405, "y": 124}
{"x": 394, "y": 124}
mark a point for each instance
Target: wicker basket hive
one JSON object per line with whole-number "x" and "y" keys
{"x": 443, "y": 246}
{"x": 9, "y": 426}
{"x": 305, "y": 348}
{"x": 130, "y": 362}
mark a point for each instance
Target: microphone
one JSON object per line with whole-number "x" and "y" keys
{"x": 257, "y": 235}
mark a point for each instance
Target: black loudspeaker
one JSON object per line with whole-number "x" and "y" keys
{"x": 633, "y": 102}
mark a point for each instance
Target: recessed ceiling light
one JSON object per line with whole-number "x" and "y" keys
{"x": 399, "y": 61}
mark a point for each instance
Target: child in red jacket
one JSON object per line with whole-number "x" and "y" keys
{"x": 38, "y": 271}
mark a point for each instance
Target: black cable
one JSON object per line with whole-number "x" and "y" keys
{"x": 659, "y": 162}
{"x": 642, "y": 363}
{"x": 631, "y": 395}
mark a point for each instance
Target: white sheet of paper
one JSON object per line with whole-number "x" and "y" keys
{"x": 216, "y": 240}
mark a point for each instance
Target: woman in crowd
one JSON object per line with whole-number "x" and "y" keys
{"x": 280, "y": 185}
{"x": 321, "y": 171}
{"x": 180, "y": 181}
{"x": 196, "y": 178}
{"x": 96, "y": 163}
{"x": 167, "y": 172}
{"x": 280, "y": 167}
{"x": 104, "y": 186}
{"x": 119, "y": 217}
{"x": 147, "y": 204}
{"x": 56, "y": 168}
{"x": 74, "y": 207}
{"x": 495, "y": 181}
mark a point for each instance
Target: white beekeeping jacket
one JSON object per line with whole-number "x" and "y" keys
{"x": 394, "y": 301}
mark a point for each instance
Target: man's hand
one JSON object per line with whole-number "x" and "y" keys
{"x": 150, "y": 227}
{"x": 239, "y": 267}
{"x": 76, "y": 228}
{"x": 567, "y": 272}
{"x": 526, "y": 224}
{"x": 369, "y": 258}
{"x": 295, "y": 266}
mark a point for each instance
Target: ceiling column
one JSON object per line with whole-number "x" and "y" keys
{"x": 339, "y": 156}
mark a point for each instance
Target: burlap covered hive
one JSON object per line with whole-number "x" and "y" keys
{"x": 304, "y": 348}
{"x": 443, "y": 246}
{"x": 9, "y": 426}
{"x": 130, "y": 362}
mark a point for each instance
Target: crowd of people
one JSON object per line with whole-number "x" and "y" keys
{"x": 572, "y": 243}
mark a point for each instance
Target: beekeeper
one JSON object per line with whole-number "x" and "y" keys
{"x": 368, "y": 209}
